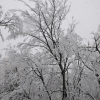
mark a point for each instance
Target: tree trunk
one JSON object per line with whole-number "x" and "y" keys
{"x": 49, "y": 96}
{"x": 64, "y": 86}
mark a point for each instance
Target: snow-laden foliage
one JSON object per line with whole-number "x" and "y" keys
{"x": 61, "y": 69}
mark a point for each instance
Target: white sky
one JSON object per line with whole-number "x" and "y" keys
{"x": 86, "y": 12}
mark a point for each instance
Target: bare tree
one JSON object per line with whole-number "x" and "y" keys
{"x": 42, "y": 27}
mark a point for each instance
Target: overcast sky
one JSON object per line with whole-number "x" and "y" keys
{"x": 86, "y": 12}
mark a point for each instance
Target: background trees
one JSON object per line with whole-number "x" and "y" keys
{"x": 61, "y": 68}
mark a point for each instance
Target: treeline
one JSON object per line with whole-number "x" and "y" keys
{"x": 62, "y": 68}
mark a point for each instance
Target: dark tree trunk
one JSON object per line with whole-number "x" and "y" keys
{"x": 64, "y": 86}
